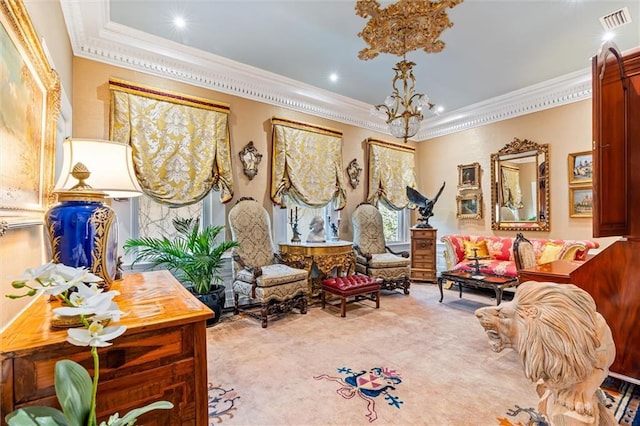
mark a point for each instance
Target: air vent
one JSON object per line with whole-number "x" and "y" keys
{"x": 616, "y": 19}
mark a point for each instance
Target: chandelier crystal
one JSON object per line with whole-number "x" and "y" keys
{"x": 397, "y": 29}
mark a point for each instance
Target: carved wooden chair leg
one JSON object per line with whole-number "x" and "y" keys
{"x": 264, "y": 313}
{"x": 406, "y": 284}
{"x": 303, "y": 304}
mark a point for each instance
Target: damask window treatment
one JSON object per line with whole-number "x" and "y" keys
{"x": 181, "y": 148}
{"x": 307, "y": 165}
{"x": 391, "y": 170}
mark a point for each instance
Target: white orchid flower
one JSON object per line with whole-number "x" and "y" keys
{"x": 96, "y": 335}
{"x": 41, "y": 273}
{"x": 52, "y": 288}
{"x": 76, "y": 275}
{"x": 113, "y": 314}
{"x": 97, "y": 303}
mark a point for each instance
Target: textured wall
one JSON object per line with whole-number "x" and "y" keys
{"x": 567, "y": 129}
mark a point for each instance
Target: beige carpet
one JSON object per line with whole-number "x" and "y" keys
{"x": 296, "y": 371}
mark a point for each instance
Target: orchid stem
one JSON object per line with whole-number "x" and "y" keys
{"x": 96, "y": 374}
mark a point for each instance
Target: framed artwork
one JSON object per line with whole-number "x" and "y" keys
{"x": 581, "y": 201}
{"x": 30, "y": 93}
{"x": 469, "y": 206}
{"x": 580, "y": 167}
{"x": 469, "y": 176}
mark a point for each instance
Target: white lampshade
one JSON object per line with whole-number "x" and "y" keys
{"x": 110, "y": 164}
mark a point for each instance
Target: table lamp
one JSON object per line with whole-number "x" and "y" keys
{"x": 82, "y": 229}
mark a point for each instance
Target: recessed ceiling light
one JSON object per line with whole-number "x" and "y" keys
{"x": 609, "y": 35}
{"x": 179, "y": 22}
{"x": 439, "y": 109}
{"x": 333, "y": 77}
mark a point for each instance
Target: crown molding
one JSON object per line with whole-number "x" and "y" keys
{"x": 548, "y": 94}
{"x": 93, "y": 36}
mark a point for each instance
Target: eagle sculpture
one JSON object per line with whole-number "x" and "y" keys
{"x": 425, "y": 205}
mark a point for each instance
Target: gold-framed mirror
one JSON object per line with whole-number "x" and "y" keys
{"x": 520, "y": 187}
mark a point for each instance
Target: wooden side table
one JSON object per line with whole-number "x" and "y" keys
{"x": 423, "y": 254}
{"x": 161, "y": 356}
{"x": 325, "y": 257}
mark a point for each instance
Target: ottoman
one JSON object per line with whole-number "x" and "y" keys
{"x": 357, "y": 286}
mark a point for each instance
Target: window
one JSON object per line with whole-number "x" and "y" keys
{"x": 394, "y": 224}
{"x": 148, "y": 218}
{"x": 304, "y": 215}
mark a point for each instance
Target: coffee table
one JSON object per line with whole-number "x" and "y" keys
{"x": 470, "y": 279}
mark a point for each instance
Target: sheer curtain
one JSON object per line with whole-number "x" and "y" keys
{"x": 391, "y": 170}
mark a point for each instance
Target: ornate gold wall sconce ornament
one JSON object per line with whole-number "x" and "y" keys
{"x": 354, "y": 170}
{"x": 250, "y": 158}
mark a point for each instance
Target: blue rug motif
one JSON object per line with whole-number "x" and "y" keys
{"x": 367, "y": 385}
{"x": 222, "y": 403}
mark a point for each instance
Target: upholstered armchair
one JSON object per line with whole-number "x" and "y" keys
{"x": 373, "y": 257}
{"x": 257, "y": 275}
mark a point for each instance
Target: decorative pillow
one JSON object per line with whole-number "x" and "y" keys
{"x": 550, "y": 252}
{"x": 481, "y": 245}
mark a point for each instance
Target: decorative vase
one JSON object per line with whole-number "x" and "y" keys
{"x": 84, "y": 233}
{"x": 63, "y": 321}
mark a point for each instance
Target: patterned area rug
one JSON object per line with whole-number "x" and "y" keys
{"x": 623, "y": 399}
{"x": 380, "y": 384}
{"x": 413, "y": 362}
{"x": 222, "y": 403}
{"x": 376, "y": 384}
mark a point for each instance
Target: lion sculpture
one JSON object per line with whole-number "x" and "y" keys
{"x": 565, "y": 346}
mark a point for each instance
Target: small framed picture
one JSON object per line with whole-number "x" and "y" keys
{"x": 469, "y": 176}
{"x": 580, "y": 167}
{"x": 581, "y": 201}
{"x": 469, "y": 206}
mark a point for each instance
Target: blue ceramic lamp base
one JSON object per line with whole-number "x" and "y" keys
{"x": 84, "y": 232}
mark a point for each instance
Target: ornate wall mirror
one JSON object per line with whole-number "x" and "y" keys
{"x": 520, "y": 187}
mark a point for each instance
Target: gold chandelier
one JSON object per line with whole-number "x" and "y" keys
{"x": 397, "y": 29}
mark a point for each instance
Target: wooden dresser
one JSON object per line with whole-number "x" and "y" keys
{"x": 423, "y": 254}
{"x": 161, "y": 356}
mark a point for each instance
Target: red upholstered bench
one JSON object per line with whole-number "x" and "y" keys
{"x": 360, "y": 286}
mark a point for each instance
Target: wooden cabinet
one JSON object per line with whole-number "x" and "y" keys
{"x": 616, "y": 151}
{"x": 423, "y": 254}
{"x": 161, "y": 356}
{"x": 611, "y": 277}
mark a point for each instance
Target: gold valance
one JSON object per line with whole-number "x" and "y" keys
{"x": 167, "y": 96}
{"x": 307, "y": 164}
{"x": 181, "y": 147}
{"x": 391, "y": 170}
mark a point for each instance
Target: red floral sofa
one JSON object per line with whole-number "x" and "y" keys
{"x": 500, "y": 252}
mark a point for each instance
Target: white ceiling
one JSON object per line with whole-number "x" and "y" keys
{"x": 502, "y": 57}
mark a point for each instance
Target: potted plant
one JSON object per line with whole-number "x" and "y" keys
{"x": 193, "y": 257}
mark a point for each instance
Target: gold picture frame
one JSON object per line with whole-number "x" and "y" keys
{"x": 469, "y": 176}
{"x": 469, "y": 206}
{"x": 30, "y": 94}
{"x": 580, "y": 167}
{"x": 581, "y": 201}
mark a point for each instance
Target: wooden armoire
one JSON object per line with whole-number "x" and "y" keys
{"x": 612, "y": 277}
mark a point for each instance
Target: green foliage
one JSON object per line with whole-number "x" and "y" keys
{"x": 389, "y": 223}
{"x": 73, "y": 390}
{"x": 192, "y": 256}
